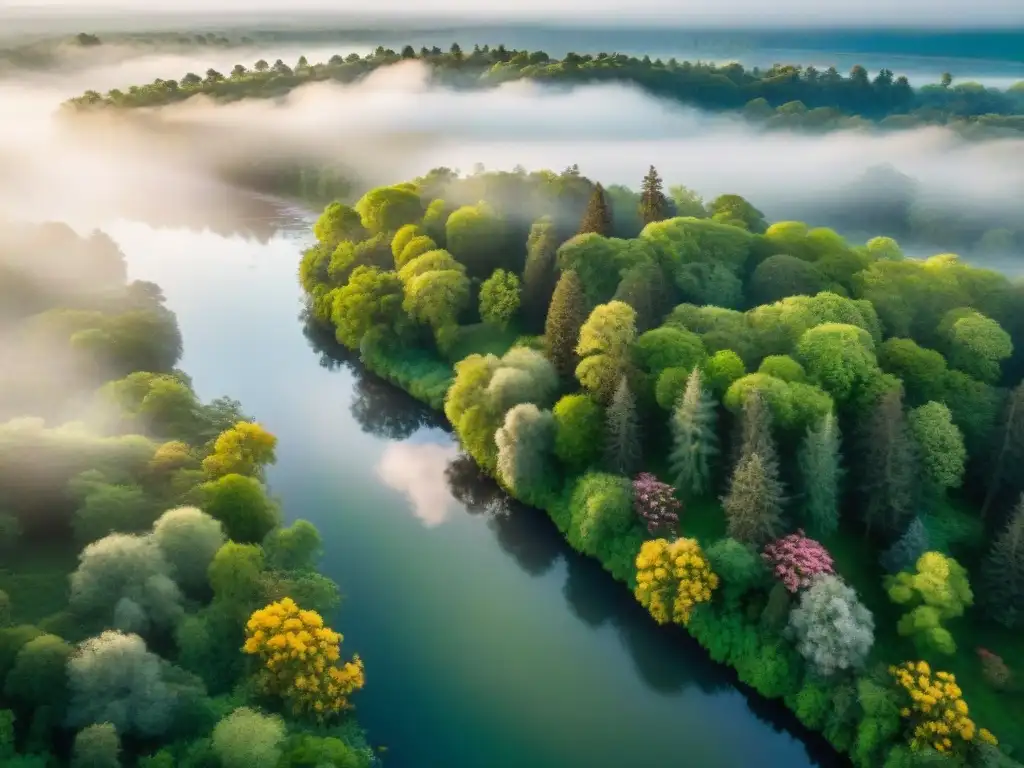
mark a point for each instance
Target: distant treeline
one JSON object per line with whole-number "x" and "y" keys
{"x": 783, "y": 96}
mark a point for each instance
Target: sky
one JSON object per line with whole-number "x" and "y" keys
{"x": 738, "y": 13}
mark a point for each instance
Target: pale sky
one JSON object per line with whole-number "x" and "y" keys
{"x": 739, "y": 13}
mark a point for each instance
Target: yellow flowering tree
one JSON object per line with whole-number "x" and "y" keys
{"x": 301, "y": 660}
{"x": 673, "y": 577}
{"x": 242, "y": 450}
{"x": 936, "y": 712}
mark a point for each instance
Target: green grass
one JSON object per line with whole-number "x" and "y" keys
{"x": 36, "y": 579}
{"x": 482, "y": 339}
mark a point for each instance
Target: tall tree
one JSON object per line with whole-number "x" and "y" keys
{"x": 653, "y": 203}
{"x": 694, "y": 438}
{"x": 598, "y": 216}
{"x": 821, "y": 471}
{"x": 566, "y": 315}
{"x": 907, "y": 549}
{"x": 756, "y": 432}
{"x": 890, "y": 467}
{"x": 753, "y": 506}
{"x": 1009, "y": 448}
{"x": 1003, "y": 573}
{"x": 539, "y": 273}
{"x": 622, "y": 438}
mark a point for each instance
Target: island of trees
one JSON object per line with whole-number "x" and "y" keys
{"x": 154, "y": 609}
{"x": 802, "y": 449}
{"x": 783, "y": 96}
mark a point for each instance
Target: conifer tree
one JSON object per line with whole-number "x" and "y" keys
{"x": 644, "y": 288}
{"x": 598, "y": 216}
{"x": 622, "y": 438}
{"x": 539, "y": 273}
{"x": 890, "y": 467}
{"x": 653, "y": 203}
{"x": 694, "y": 438}
{"x": 907, "y": 549}
{"x": 566, "y": 315}
{"x": 756, "y": 432}
{"x": 753, "y": 506}
{"x": 821, "y": 471}
{"x": 1003, "y": 573}
{"x": 1009, "y": 448}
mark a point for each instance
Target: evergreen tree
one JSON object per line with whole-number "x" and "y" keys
{"x": 653, "y": 203}
{"x": 598, "y": 216}
{"x": 753, "y": 506}
{"x": 819, "y": 460}
{"x": 644, "y": 288}
{"x": 622, "y": 439}
{"x": 755, "y": 429}
{"x": 907, "y": 549}
{"x": 566, "y": 315}
{"x": 1009, "y": 448}
{"x": 890, "y": 467}
{"x": 694, "y": 438}
{"x": 539, "y": 273}
{"x": 1003, "y": 573}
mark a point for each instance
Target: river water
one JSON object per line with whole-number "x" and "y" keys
{"x": 488, "y": 643}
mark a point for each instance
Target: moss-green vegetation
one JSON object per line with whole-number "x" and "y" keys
{"x": 881, "y": 411}
{"x": 136, "y": 542}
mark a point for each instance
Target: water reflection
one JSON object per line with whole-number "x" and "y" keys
{"x": 417, "y": 471}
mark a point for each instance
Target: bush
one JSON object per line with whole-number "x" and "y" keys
{"x": 579, "y": 431}
{"x": 242, "y": 506}
{"x": 188, "y": 539}
{"x": 249, "y": 739}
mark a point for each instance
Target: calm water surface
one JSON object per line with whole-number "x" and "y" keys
{"x": 487, "y": 642}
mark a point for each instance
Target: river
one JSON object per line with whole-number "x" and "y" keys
{"x": 488, "y": 643}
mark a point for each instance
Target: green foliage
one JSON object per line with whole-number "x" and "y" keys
{"x": 907, "y": 549}
{"x": 793, "y": 405}
{"x": 6, "y": 734}
{"x": 371, "y": 299}
{"x": 402, "y": 238}
{"x": 476, "y": 236}
{"x": 889, "y": 480}
{"x": 236, "y": 574}
{"x": 840, "y": 359}
{"x": 739, "y": 567}
{"x": 188, "y": 538}
{"x": 10, "y": 532}
{"x": 499, "y": 298}
{"x": 922, "y": 371}
{"x": 539, "y": 273}
{"x": 937, "y": 591}
{"x": 604, "y": 347}
{"x": 668, "y": 347}
{"x": 821, "y": 472}
{"x": 1003, "y": 573}
{"x": 432, "y": 261}
{"x": 753, "y": 505}
{"x": 579, "y": 431}
{"x": 722, "y": 369}
{"x": 297, "y": 547}
{"x": 781, "y": 276}
{"x": 783, "y": 367}
{"x": 96, "y": 746}
{"x": 525, "y": 445}
{"x": 413, "y": 249}
{"x": 694, "y": 439}
{"x": 977, "y": 344}
{"x": 622, "y": 446}
{"x": 241, "y": 505}
{"x": 602, "y": 521}
{"x": 653, "y": 203}
{"x": 387, "y": 209}
{"x": 37, "y": 677}
{"x": 832, "y": 629}
{"x": 107, "y": 509}
{"x": 735, "y": 211}
{"x": 564, "y": 321}
{"x": 669, "y": 387}
{"x": 436, "y": 298}
{"x": 598, "y": 216}
{"x": 248, "y": 738}
{"x": 338, "y": 222}
{"x": 940, "y": 444}
{"x": 597, "y": 261}
{"x": 348, "y": 257}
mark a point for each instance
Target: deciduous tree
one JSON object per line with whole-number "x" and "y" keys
{"x": 936, "y": 591}
{"x": 525, "y": 445}
{"x": 672, "y": 578}
{"x": 940, "y": 445}
{"x": 579, "y": 431}
{"x": 605, "y": 346}
{"x": 247, "y": 738}
{"x": 832, "y": 628}
{"x": 656, "y": 504}
{"x": 499, "y": 298}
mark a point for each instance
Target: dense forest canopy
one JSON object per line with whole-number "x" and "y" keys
{"x": 798, "y": 447}
{"x": 783, "y": 96}
{"x": 152, "y": 603}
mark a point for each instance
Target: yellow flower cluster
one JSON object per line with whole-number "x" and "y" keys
{"x": 301, "y": 660}
{"x": 936, "y": 710}
{"x": 673, "y": 577}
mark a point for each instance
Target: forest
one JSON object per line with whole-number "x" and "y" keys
{"x": 783, "y": 97}
{"x": 799, "y": 448}
{"x": 155, "y": 611}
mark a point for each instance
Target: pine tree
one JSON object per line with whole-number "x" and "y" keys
{"x": 539, "y": 273}
{"x": 653, "y": 203}
{"x": 756, "y": 432}
{"x": 598, "y": 216}
{"x": 1009, "y": 449}
{"x": 1003, "y": 573}
{"x": 566, "y": 315}
{"x": 821, "y": 471}
{"x": 694, "y": 438}
{"x": 753, "y": 506}
{"x": 644, "y": 288}
{"x": 907, "y": 549}
{"x": 890, "y": 467}
{"x": 622, "y": 438}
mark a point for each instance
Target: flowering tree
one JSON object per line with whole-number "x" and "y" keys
{"x": 656, "y": 504}
{"x": 301, "y": 660}
{"x": 794, "y": 559}
{"x": 673, "y": 577}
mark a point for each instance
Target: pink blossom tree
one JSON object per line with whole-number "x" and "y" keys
{"x": 656, "y": 504}
{"x": 794, "y": 559}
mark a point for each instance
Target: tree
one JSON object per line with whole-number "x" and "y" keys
{"x": 539, "y": 273}
{"x": 756, "y": 431}
{"x": 1003, "y": 573}
{"x": 687, "y": 202}
{"x": 107, "y": 509}
{"x": 1008, "y": 448}
{"x": 907, "y": 549}
{"x": 976, "y": 344}
{"x": 940, "y": 445}
{"x": 653, "y": 203}
{"x": 314, "y": 683}
{"x": 237, "y": 575}
{"x": 261, "y": 65}
{"x": 601, "y": 517}
{"x": 694, "y": 438}
{"x": 295, "y": 548}
{"x": 499, "y": 298}
{"x": 247, "y": 738}
{"x": 782, "y": 275}
{"x": 241, "y": 505}
{"x": 738, "y": 567}
{"x": 738, "y": 212}
{"x": 245, "y": 449}
{"x": 821, "y": 473}
{"x": 832, "y": 628}
{"x": 889, "y": 462}
{"x": 385, "y": 210}
{"x": 669, "y": 347}
{"x": 38, "y": 676}
{"x": 840, "y": 359}
{"x": 188, "y": 539}
{"x": 96, "y": 746}
{"x": 413, "y": 249}
{"x": 371, "y": 299}
{"x": 946, "y": 80}
{"x": 564, "y": 320}
{"x": 598, "y": 216}
{"x": 672, "y": 578}
{"x": 338, "y": 223}
{"x": 437, "y": 297}
{"x": 795, "y": 560}
{"x": 656, "y": 504}
{"x": 622, "y": 436}
{"x": 722, "y": 369}
{"x": 525, "y": 444}
{"x": 753, "y": 505}
{"x": 938, "y": 590}
{"x": 477, "y": 237}
{"x": 579, "y": 431}
{"x": 605, "y": 346}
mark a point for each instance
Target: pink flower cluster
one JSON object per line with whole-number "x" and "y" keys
{"x": 794, "y": 559}
{"x": 656, "y": 504}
